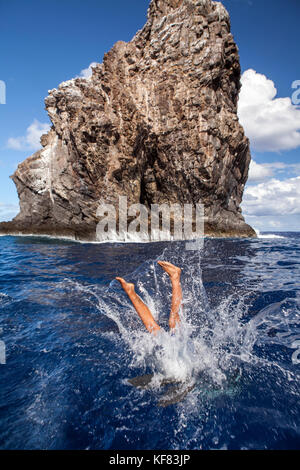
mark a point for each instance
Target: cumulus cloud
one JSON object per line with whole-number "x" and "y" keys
{"x": 258, "y": 172}
{"x": 8, "y": 211}
{"x": 31, "y": 140}
{"x": 273, "y": 198}
{"x": 271, "y": 203}
{"x": 271, "y": 223}
{"x": 272, "y": 124}
{"x": 87, "y": 73}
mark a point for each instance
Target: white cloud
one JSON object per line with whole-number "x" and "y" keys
{"x": 288, "y": 223}
{"x": 272, "y": 124}
{"x": 8, "y": 211}
{"x": 259, "y": 172}
{"x": 273, "y": 198}
{"x": 273, "y": 204}
{"x": 31, "y": 140}
{"x": 87, "y": 73}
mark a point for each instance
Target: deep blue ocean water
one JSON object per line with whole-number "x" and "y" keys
{"x": 73, "y": 341}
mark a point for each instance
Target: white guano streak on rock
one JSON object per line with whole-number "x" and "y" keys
{"x": 44, "y": 173}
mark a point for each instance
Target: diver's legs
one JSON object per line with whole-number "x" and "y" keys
{"x": 142, "y": 309}
{"x": 174, "y": 273}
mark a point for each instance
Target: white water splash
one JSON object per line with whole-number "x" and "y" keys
{"x": 266, "y": 235}
{"x": 208, "y": 341}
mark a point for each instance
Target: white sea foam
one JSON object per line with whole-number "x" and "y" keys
{"x": 130, "y": 239}
{"x": 266, "y": 235}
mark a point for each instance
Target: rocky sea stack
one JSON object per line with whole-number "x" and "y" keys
{"x": 157, "y": 122}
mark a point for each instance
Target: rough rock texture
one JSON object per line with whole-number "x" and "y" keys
{"x": 157, "y": 121}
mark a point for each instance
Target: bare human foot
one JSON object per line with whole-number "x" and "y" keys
{"x": 128, "y": 287}
{"x": 173, "y": 271}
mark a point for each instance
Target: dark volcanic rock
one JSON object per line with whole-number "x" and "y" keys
{"x": 157, "y": 121}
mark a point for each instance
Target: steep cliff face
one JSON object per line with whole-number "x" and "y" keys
{"x": 157, "y": 121}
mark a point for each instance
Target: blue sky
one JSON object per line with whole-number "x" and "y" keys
{"x": 45, "y": 42}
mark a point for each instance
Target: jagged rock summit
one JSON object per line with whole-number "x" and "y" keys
{"x": 157, "y": 121}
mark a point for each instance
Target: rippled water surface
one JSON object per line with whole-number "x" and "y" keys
{"x": 229, "y": 378}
